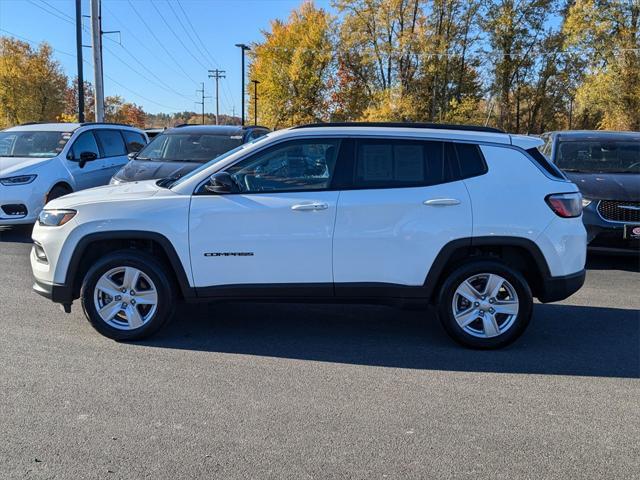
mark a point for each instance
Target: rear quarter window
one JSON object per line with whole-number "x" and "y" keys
{"x": 545, "y": 164}
{"x": 470, "y": 160}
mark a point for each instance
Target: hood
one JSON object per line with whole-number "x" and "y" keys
{"x": 147, "y": 170}
{"x": 109, "y": 193}
{"x": 607, "y": 186}
{"x": 17, "y": 165}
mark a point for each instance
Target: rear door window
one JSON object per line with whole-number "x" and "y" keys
{"x": 111, "y": 142}
{"x": 399, "y": 163}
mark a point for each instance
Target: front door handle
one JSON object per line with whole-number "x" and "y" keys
{"x": 302, "y": 207}
{"x": 442, "y": 202}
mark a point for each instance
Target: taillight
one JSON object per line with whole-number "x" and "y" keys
{"x": 565, "y": 205}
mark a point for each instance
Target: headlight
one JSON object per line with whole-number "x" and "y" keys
{"x": 19, "y": 180}
{"x": 55, "y": 218}
{"x": 586, "y": 202}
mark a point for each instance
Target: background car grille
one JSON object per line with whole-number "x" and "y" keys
{"x": 610, "y": 210}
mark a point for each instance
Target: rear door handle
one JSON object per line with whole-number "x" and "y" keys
{"x": 302, "y": 207}
{"x": 442, "y": 202}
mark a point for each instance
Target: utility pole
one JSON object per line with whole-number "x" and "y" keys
{"x": 202, "y": 101}
{"x": 217, "y": 74}
{"x": 255, "y": 101}
{"x": 243, "y": 49}
{"x": 79, "y": 59}
{"x": 96, "y": 34}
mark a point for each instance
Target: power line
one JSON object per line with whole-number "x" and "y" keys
{"x": 196, "y": 34}
{"x": 33, "y": 42}
{"x": 177, "y": 36}
{"x": 57, "y": 15}
{"x": 58, "y": 10}
{"x": 160, "y": 83}
{"x": 177, "y": 16}
{"x": 152, "y": 52}
{"x": 133, "y": 92}
{"x": 159, "y": 42}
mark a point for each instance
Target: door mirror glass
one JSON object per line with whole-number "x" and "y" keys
{"x": 86, "y": 157}
{"x": 221, "y": 182}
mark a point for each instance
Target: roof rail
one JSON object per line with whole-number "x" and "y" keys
{"x": 436, "y": 126}
{"x": 246, "y": 127}
{"x": 84, "y": 124}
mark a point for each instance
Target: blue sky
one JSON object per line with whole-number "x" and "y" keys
{"x": 161, "y": 82}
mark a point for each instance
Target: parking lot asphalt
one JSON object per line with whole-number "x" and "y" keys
{"x": 240, "y": 390}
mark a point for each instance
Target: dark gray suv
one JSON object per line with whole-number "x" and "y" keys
{"x": 178, "y": 151}
{"x": 606, "y": 168}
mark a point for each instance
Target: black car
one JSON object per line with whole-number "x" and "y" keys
{"x": 178, "y": 151}
{"x": 606, "y": 168}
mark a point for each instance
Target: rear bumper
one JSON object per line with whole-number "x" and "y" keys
{"x": 555, "y": 289}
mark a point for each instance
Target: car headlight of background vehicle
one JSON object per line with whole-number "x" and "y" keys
{"x": 55, "y": 218}
{"x": 586, "y": 202}
{"x": 18, "y": 180}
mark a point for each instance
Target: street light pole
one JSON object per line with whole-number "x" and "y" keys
{"x": 243, "y": 48}
{"x": 255, "y": 101}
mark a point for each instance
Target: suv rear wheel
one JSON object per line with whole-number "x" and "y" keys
{"x": 127, "y": 295}
{"x": 485, "y": 304}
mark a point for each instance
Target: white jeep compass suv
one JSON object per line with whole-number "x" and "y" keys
{"x": 472, "y": 220}
{"x": 43, "y": 161}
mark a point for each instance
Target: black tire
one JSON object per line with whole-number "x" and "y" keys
{"x": 57, "y": 191}
{"x": 149, "y": 266}
{"x": 468, "y": 270}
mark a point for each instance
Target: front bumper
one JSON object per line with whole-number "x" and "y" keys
{"x": 55, "y": 293}
{"x": 555, "y": 289}
{"x": 29, "y": 195}
{"x": 604, "y": 235}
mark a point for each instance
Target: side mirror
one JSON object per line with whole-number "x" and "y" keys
{"x": 222, "y": 182}
{"x": 86, "y": 157}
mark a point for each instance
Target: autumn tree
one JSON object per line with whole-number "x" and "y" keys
{"x": 32, "y": 84}
{"x": 71, "y": 102}
{"x": 292, "y": 65}
{"x": 116, "y": 110}
{"x": 606, "y": 36}
{"x": 515, "y": 31}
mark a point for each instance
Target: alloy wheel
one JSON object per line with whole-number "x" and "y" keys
{"x": 125, "y": 298}
{"x": 485, "y": 305}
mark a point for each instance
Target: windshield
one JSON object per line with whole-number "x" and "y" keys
{"x": 32, "y": 144}
{"x": 599, "y": 156}
{"x": 188, "y": 147}
{"x": 173, "y": 182}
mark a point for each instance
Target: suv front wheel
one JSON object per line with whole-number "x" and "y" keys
{"x": 485, "y": 304}
{"x": 127, "y": 295}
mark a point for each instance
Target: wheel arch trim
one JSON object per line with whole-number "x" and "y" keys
{"x": 442, "y": 260}
{"x": 175, "y": 263}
